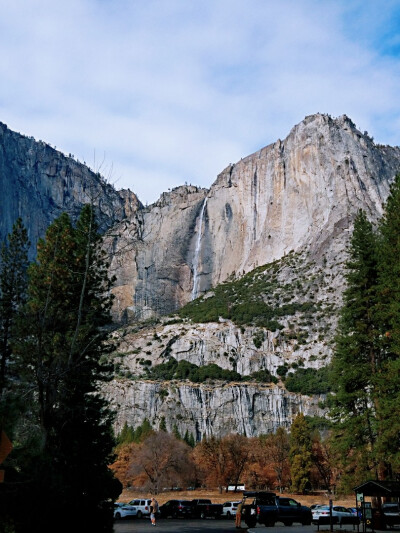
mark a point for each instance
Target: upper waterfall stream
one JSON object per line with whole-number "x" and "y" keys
{"x": 197, "y": 251}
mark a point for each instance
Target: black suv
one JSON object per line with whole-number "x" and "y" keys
{"x": 176, "y": 508}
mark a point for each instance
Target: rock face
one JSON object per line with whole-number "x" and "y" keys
{"x": 216, "y": 408}
{"x": 211, "y": 410}
{"x": 38, "y": 183}
{"x": 300, "y": 192}
{"x": 291, "y": 203}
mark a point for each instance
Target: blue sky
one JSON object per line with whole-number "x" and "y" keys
{"x": 156, "y": 93}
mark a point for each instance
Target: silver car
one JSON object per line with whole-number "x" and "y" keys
{"x": 340, "y": 515}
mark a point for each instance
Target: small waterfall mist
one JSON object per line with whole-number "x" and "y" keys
{"x": 196, "y": 258}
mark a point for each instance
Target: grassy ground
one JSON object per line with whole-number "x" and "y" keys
{"x": 216, "y": 497}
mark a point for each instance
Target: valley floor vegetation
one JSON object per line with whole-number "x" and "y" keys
{"x": 154, "y": 460}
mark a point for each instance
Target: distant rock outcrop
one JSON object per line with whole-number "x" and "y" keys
{"x": 38, "y": 183}
{"x": 208, "y": 410}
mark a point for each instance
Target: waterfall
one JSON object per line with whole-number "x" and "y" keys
{"x": 196, "y": 258}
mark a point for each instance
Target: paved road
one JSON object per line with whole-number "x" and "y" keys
{"x": 172, "y": 525}
{"x": 168, "y": 525}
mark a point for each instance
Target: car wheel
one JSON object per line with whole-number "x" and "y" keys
{"x": 251, "y": 523}
{"x": 139, "y": 514}
{"x": 288, "y": 523}
{"x": 117, "y": 516}
{"x": 228, "y": 514}
{"x": 202, "y": 515}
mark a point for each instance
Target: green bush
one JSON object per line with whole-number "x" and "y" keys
{"x": 173, "y": 369}
{"x": 309, "y": 381}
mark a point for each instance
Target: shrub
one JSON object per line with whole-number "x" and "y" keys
{"x": 309, "y": 381}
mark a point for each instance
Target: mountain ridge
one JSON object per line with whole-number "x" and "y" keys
{"x": 275, "y": 225}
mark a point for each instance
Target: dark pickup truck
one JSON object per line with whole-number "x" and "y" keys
{"x": 268, "y": 508}
{"x": 203, "y": 508}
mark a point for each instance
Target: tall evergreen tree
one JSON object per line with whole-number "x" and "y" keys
{"x": 388, "y": 318}
{"x": 13, "y": 407}
{"x": 389, "y": 274}
{"x": 13, "y": 287}
{"x": 62, "y": 340}
{"x": 300, "y": 453}
{"x": 357, "y": 355}
{"x": 163, "y": 424}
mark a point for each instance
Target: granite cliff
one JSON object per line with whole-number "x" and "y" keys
{"x": 290, "y": 206}
{"x": 300, "y": 192}
{"x": 38, "y": 183}
{"x": 277, "y": 221}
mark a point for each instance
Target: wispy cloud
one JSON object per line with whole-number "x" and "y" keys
{"x": 173, "y": 91}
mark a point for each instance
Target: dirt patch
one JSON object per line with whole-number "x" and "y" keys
{"x": 215, "y": 496}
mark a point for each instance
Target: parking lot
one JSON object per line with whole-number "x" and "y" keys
{"x": 228, "y": 526}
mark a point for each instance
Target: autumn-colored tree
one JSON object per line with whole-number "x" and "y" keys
{"x": 121, "y": 466}
{"x": 278, "y": 449}
{"x": 161, "y": 461}
{"x": 323, "y": 460}
{"x": 212, "y": 459}
{"x": 223, "y": 461}
{"x": 238, "y": 451}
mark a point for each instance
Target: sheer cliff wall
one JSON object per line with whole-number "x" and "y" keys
{"x": 301, "y": 192}
{"x": 38, "y": 183}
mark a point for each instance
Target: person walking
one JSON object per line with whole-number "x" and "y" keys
{"x": 238, "y": 521}
{"x": 153, "y": 511}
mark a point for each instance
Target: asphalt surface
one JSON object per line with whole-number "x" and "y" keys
{"x": 168, "y": 525}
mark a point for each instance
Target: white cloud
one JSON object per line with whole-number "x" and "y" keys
{"x": 173, "y": 91}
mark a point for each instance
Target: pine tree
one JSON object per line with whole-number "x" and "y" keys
{"x": 163, "y": 425}
{"x": 357, "y": 355}
{"x": 13, "y": 287}
{"x": 389, "y": 274}
{"x": 175, "y": 432}
{"x": 388, "y": 318}
{"x": 189, "y": 439}
{"x": 143, "y": 431}
{"x": 14, "y": 408}
{"x": 127, "y": 434}
{"x": 62, "y": 341}
{"x": 300, "y": 453}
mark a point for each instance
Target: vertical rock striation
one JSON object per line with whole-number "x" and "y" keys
{"x": 300, "y": 192}
{"x": 38, "y": 183}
